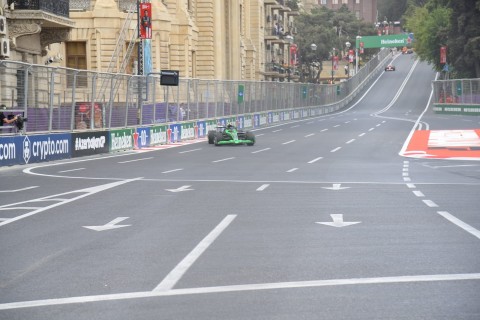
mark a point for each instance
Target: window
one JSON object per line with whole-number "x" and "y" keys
{"x": 334, "y": 1}
{"x": 77, "y": 59}
{"x": 357, "y": 1}
{"x": 324, "y": 2}
{"x": 345, "y": 1}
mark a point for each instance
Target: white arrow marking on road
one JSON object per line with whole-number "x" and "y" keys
{"x": 338, "y": 221}
{"x": 111, "y": 225}
{"x": 336, "y": 186}
{"x": 182, "y": 188}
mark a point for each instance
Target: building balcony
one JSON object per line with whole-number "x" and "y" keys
{"x": 35, "y": 24}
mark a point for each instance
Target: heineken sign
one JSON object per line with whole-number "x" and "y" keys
{"x": 393, "y": 40}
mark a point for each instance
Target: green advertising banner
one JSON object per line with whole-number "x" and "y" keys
{"x": 393, "y": 40}
{"x": 158, "y": 135}
{"x": 121, "y": 139}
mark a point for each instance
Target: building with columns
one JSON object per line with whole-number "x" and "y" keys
{"x": 205, "y": 39}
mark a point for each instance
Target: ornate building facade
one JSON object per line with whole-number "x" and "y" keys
{"x": 206, "y": 39}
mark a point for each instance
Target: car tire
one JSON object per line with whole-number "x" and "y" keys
{"x": 210, "y": 136}
{"x": 217, "y": 138}
{"x": 250, "y": 136}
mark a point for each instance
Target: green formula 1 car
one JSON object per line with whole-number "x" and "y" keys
{"x": 230, "y": 135}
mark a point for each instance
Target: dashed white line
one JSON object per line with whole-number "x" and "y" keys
{"x": 186, "y": 151}
{"x": 361, "y": 134}
{"x": 430, "y": 203}
{"x": 295, "y": 126}
{"x": 291, "y": 170}
{"x": 174, "y": 170}
{"x": 315, "y": 160}
{"x": 418, "y": 193}
{"x": 289, "y": 142}
{"x": 350, "y": 141}
{"x": 226, "y": 159}
{"x": 336, "y": 149}
{"x": 277, "y": 130}
{"x": 135, "y": 160}
{"x": 411, "y": 185}
{"x": 263, "y": 187}
{"x": 336, "y": 126}
{"x": 323, "y": 130}
{"x": 407, "y": 179}
{"x": 309, "y": 135}
{"x": 378, "y": 125}
{"x": 371, "y": 129}
{"x": 261, "y": 150}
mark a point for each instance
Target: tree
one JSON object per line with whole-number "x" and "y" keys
{"x": 454, "y": 23}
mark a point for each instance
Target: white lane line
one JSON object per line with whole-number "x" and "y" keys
{"x": 173, "y": 170}
{"x": 405, "y": 169}
{"x": 17, "y": 190}
{"x": 174, "y": 276}
{"x": 291, "y": 170}
{"x": 378, "y": 125}
{"x": 347, "y": 122}
{"x": 371, "y": 129}
{"x": 260, "y": 134}
{"x": 261, "y": 150}
{"x": 277, "y": 130}
{"x": 336, "y": 126}
{"x": 418, "y": 193}
{"x": 81, "y": 194}
{"x": 315, "y": 160}
{"x": 135, "y": 160}
{"x": 430, "y": 203}
{"x": 350, "y": 141}
{"x": 226, "y": 159}
{"x": 295, "y": 126}
{"x": 411, "y": 185}
{"x": 289, "y": 142}
{"x": 405, "y": 174}
{"x": 309, "y": 135}
{"x": 186, "y": 151}
{"x": 78, "y": 169}
{"x": 361, "y": 134}
{"x": 323, "y": 130}
{"x": 241, "y": 288}
{"x": 407, "y": 179}
{"x": 460, "y": 223}
{"x": 310, "y": 122}
{"x": 263, "y": 187}
{"x": 336, "y": 149}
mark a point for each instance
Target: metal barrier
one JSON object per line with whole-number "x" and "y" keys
{"x": 59, "y": 99}
{"x": 457, "y": 96}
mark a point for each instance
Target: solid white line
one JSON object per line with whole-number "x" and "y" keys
{"x": 241, "y": 288}
{"x": 173, "y": 170}
{"x": 78, "y": 169}
{"x": 289, "y": 142}
{"x": 315, "y": 160}
{"x": 176, "y": 274}
{"x": 309, "y": 135}
{"x": 135, "y": 160}
{"x": 293, "y": 169}
{"x": 460, "y": 223}
{"x": 418, "y": 193}
{"x": 350, "y": 141}
{"x": 226, "y": 159}
{"x": 263, "y": 187}
{"x": 336, "y": 149}
{"x": 430, "y": 203}
{"x": 190, "y": 150}
{"x": 261, "y": 150}
{"x": 17, "y": 190}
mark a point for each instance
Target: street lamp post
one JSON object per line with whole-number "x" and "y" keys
{"x": 356, "y": 53}
{"x": 347, "y": 45}
{"x": 289, "y": 39}
{"x": 333, "y": 57}
{"x": 313, "y": 47}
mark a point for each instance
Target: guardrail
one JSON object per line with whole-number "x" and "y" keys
{"x": 75, "y": 120}
{"x": 457, "y": 96}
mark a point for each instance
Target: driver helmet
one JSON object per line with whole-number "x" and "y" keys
{"x": 230, "y": 126}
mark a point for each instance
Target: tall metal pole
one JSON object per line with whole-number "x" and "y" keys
{"x": 333, "y": 57}
{"x": 140, "y": 42}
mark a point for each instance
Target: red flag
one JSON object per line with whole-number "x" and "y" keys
{"x": 443, "y": 54}
{"x": 146, "y": 20}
